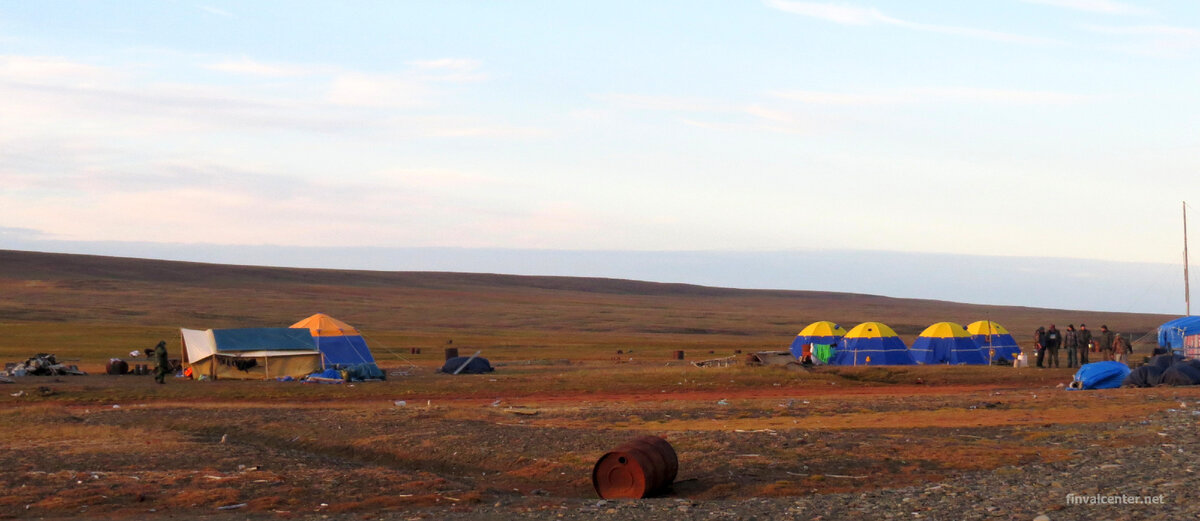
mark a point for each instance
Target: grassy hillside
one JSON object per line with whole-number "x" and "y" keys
{"x": 93, "y": 307}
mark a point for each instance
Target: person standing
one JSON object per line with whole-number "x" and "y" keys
{"x": 1053, "y": 341}
{"x": 1106, "y": 343}
{"x": 160, "y": 358}
{"x": 1039, "y": 337}
{"x": 1083, "y": 339}
{"x": 1071, "y": 343}
{"x": 1122, "y": 348}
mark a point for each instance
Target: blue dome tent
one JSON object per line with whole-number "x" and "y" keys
{"x": 872, "y": 343}
{"x": 946, "y": 343}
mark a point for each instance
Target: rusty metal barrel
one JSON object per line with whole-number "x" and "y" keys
{"x": 679, "y": 355}
{"x": 451, "y": 352}
{"x": 639, "y": 468}
{"x": 116, "y": 366}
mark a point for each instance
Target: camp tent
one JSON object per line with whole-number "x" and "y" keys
{"x": 823, "y": 333}
{"x": 467, "y": 365}
{"x": 1171, "y": 333}
{"x": 946, "y": 343}
{"x": 340, "y": 344}
{"x": 994, "y": 341}
{"x": 872, "y": 343}
{"x": 250, "y": 354}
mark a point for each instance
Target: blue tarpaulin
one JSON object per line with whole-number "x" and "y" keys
{"x": 362, "y": 372}
{"x": 1100, "y": 375}
{"x": 264, "y": 339}
{"x": 345, "y": 350}
{"x": 1171, "y": 333}
{"x": 328, "y": 376}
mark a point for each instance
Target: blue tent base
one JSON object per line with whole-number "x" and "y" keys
{"x": 1001, "y": 347}
{"x": 947, "y": 350}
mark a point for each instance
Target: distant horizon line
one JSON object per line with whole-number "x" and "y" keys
{"x": 1043, "y": 282}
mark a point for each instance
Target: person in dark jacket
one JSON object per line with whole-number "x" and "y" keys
{"x": 1052, "y": 342}
{"x": 1039, "y": 337}
{"x": 1106, "y": 342}
{"x": 160, "y": 358}
{"x": 1084, "y": 341}
{"x": 1071, "y": 344}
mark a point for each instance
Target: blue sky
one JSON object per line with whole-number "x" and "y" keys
{"x": 1027, "y": 128}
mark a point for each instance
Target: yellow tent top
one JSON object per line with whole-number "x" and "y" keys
{"x": 986, "y": 327}
{"x": 321, "y": 324}
{"x": 871, "y": 330}
{"x": 823, "y": 328}
{"x": 945, "y": 330}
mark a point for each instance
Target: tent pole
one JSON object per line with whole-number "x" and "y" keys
{"x": 1187, "y": 290}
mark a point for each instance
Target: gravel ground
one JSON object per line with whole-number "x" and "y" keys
{"x": 1164, "y": 473}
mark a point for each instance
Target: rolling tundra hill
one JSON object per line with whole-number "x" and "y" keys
{"x": 69, "y": 296}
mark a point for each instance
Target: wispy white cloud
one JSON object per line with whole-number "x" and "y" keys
{"x": 664, "y": 103}
{"x": 375, "y": 90}
{"x": 216, "y": 11}
{"x": 837, "y": 13}
{"x": 79, "y": 101}
{"x": 712, "y": 114}
{"x": 1096, "y": 6}
{"x": 1165, "y": 31}
{"x": 456, "y": 64}
{"x": 865, "y": 16}
{"x": 193, "y": 200}
{"x": 247, "y": 66}
{"x": 1151, "y": 40}
{"x": 843, "y": 98}
{"x": 420, "y": 72}
{"x": 937, "y": 95}
{"x": 448, "y": 70}
{"x": 50, "y": 69}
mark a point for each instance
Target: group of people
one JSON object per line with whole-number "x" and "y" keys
{"x": 1079, "y": 343}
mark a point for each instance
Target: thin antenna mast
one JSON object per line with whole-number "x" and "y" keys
{"x": 1187, "y": 290}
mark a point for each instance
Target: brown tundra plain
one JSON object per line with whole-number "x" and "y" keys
{"x": 582, "y": 365}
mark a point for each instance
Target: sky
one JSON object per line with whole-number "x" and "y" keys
{"x": 1057, "y": 129}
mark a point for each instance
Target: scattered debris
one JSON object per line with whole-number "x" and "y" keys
{"x": 717, "y": 362}
{"x": 524, "y": 411}
{"x": 232, "y": 507}
{"x": 43, "y": 364}
{"x": 771, "y": 358}
{"x": 400, "y": 403}
{"x": 7, "y": 380}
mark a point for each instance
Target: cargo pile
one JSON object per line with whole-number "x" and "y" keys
{"x": 43, "y": 364}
